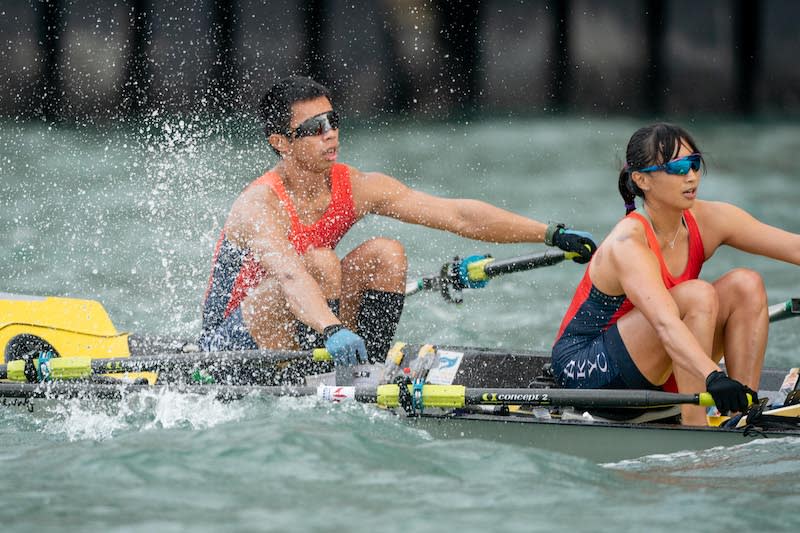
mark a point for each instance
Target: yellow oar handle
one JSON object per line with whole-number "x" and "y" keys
{"x": 321, "y": 354}
{"x": 15, "y": 370}
{"x": 60, "y": 368}
{"x": 706, "y": 400}
{"x": 476, "y": 270}
{"x": 572, "y": 255}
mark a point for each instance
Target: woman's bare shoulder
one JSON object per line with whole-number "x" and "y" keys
{"x": 627, "y": 229}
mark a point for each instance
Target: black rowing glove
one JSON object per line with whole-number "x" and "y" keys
{"x": 570, "y": 240}
{"x": 729, "y": 395}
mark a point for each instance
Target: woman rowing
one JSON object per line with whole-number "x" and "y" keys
{"x": 640, "y": 313}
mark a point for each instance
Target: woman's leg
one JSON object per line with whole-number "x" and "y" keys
{"x": 698, "y": 306}
{"x": 742, "y": 325}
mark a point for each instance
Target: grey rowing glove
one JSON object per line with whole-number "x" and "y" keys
{"x": 729, "y": 395}
{"x": 570, "y": 240}
{"x": 344, "y": 346}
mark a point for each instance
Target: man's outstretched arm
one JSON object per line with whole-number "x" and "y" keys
{"x": 383, "y": 195}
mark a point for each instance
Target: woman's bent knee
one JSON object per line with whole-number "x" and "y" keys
{"x": 696, "y": 295}
{"x": 742, "y": 288}
{"x": 746, "y": 283}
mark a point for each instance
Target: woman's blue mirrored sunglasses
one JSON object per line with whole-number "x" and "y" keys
{"x": 317, "y": 125}
{"x": 680, "y": 166}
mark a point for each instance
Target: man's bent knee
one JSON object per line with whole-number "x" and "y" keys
{"x": 378, "y": 264}
{"x": 384, "y": 252}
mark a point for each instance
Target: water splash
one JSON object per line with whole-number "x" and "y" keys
{"x": 82, "y": 419}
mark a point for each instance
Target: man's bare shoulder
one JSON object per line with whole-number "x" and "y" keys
{"x": 257, "y": 205}
{"x": 255, "y": 196}
{"x": 369, "y": 179}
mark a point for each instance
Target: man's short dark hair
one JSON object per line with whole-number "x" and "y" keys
{"x": 276, "y": 105}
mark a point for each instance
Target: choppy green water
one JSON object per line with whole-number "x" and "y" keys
{"x": 129, "y": 216}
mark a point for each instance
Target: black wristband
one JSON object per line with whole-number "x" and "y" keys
{"x": 332, "y": 330}
{"x": 552, "y": 230}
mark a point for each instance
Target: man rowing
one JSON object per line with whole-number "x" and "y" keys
{"x": 640, "y": 314}
{"x": 276, "y": 281}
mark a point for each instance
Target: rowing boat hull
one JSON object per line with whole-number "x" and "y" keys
{"x": 599, "y": 442}
{"x": 472, "y": 367}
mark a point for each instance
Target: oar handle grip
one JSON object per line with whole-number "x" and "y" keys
{"x": 706, "y": 400}
{"x": 321, "y": 354}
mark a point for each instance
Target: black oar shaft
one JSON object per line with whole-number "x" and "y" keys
{"x": 190, "y": 360}
{"x": 526, "y": 262}
{"x": 187, "y": 361}
{"x": 448, "y": 277}
{"x": 66, "y": 390}
{"x": 585, "y": 398}
{"x": 478, "y": 396}
{"x": 118, "y": 390}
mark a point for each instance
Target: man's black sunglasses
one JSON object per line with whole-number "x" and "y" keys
{"x": 317, "y": 125}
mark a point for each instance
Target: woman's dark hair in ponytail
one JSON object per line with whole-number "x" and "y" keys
{"x": 628, "y": 189}
{"x": 652, "y": 145}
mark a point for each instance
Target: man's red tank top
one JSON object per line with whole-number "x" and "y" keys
{"x": 235, "y": 271}
{"x": 334, "y": 223}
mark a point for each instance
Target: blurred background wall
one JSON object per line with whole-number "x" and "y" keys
{"x": 85, "y": 60}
